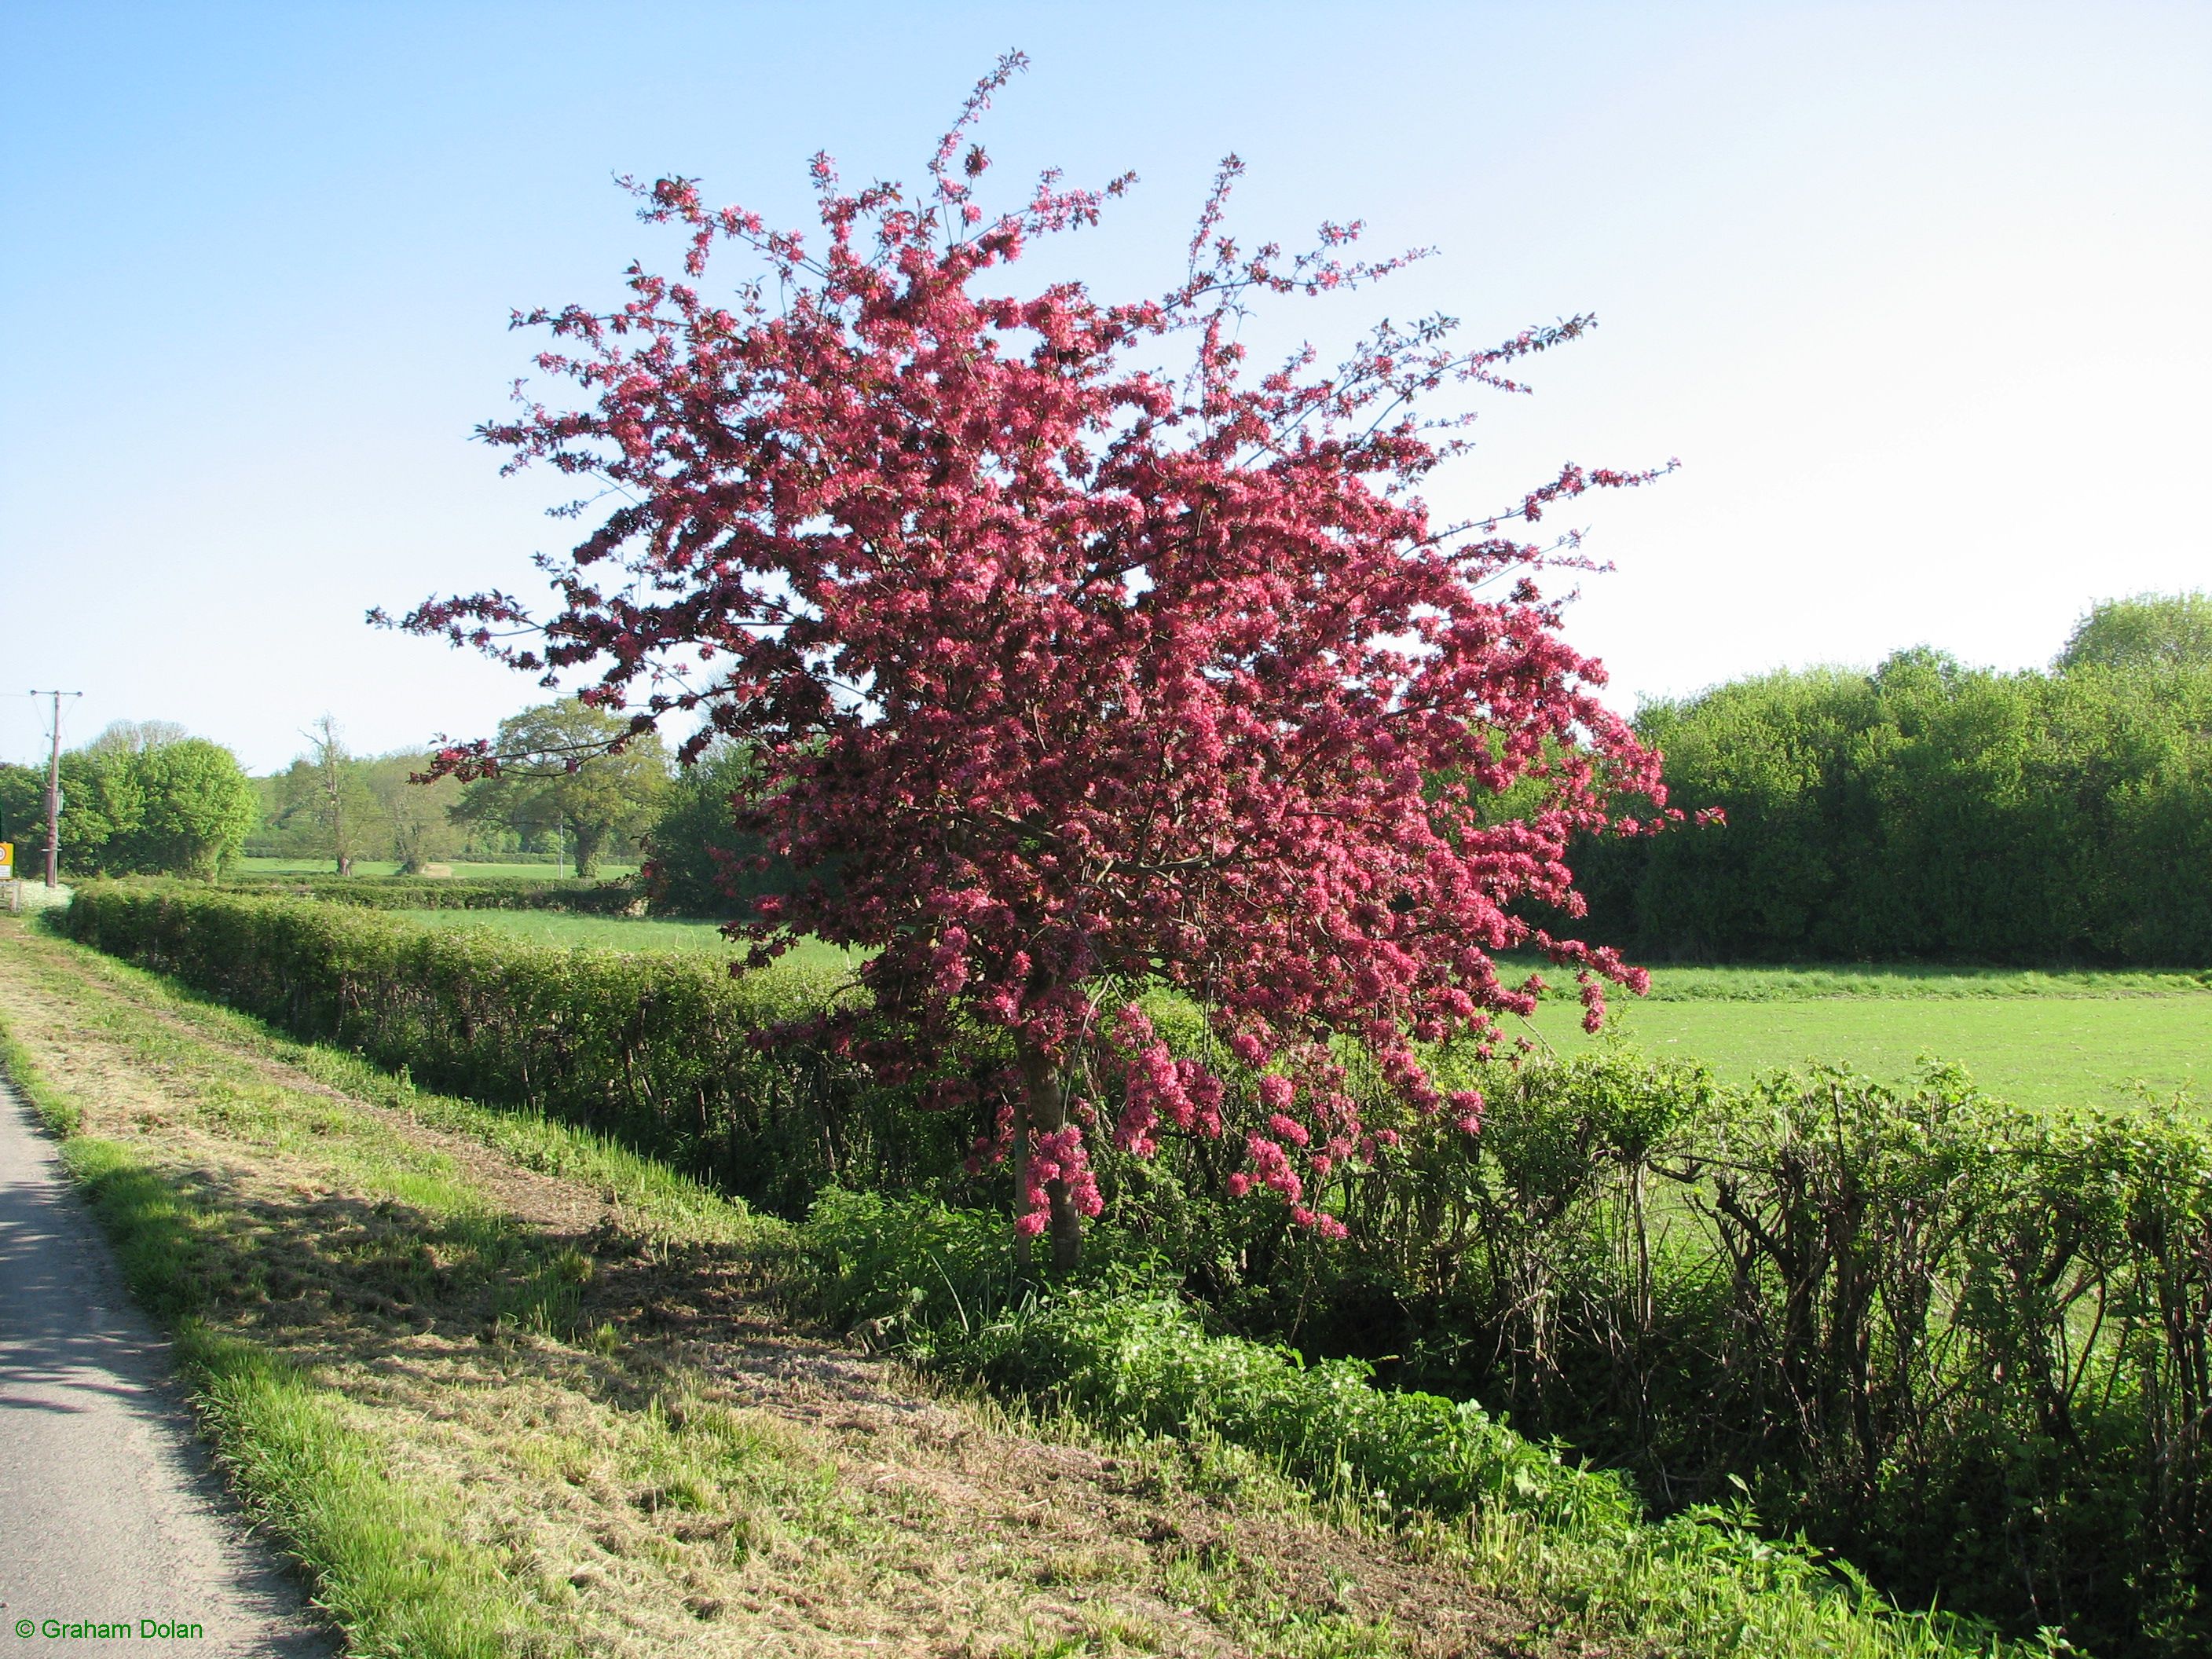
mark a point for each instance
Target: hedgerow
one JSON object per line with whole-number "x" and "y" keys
{"x": 665, "y": 1052}
{"x": 443, "y": 893}
{"x": 1125, "y": 1352}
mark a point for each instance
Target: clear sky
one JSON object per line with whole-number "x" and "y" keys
{"x": 1920, "y": 294}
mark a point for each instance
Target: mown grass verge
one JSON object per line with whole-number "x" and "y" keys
{"x": 383, "y": 1557}
{"x": 486, "y": 1433}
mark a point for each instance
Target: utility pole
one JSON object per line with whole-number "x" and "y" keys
{"x": 54, "y": 791}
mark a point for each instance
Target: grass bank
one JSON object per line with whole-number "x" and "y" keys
{"x": 505, "y": 1388}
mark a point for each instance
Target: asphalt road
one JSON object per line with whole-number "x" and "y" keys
{"x": 109, "y": 1510}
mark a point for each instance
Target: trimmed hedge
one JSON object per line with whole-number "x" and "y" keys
{"x": 428, "y": 893}
{"x": 661, "y": 1050}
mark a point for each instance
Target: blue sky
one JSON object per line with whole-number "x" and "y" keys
{"x": 1917, "y": 293}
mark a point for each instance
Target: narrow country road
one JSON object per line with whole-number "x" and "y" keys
{"x": 110, "y": 1512}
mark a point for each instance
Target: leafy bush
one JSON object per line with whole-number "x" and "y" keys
{"x": 662, "y": 1051}
{"x": 942, "y": 1285}
{"x": 1959, "y": 1341}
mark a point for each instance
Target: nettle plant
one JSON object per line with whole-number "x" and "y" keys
{"x": 1092, "y": 659}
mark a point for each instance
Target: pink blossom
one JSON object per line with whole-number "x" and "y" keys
{"x": 1090, "y": 656}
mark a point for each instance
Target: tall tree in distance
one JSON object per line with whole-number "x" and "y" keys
{"x": 1088, "y": 659}
{"x": 135, "y": 737}
{"x": 326, "y": 787}
{"x": 572, "y": 767}
{"x": 413, "y": 813}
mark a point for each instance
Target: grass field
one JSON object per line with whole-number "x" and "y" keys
{"x": 2047, "y": 1050}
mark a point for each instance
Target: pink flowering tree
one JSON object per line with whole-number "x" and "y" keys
{"x": 1095, "y": 661}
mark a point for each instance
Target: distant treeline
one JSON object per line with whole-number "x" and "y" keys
{"x": 1931, "y": 809}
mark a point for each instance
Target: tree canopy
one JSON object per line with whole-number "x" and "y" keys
{"x": 1930, "y": 809}
{"x": 571, "y": 765}
{"x": 1090, "y": 658}
{"x": 2172, "y": 630}
{"x": 140, "y": 799}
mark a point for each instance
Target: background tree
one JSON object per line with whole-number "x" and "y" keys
{"x": 1930, "y": 809}
{"x": 1090, "y": 660}
{"x": 22, "y": 809}
{"x": 138, "y": 800}
{"x": 698, "y": 862}
{"x": 415, "y": 819}
{"x": 198, "y": 807}
{"x": 2170, "y": 629}
{"x": 572, "y": 766}
{"x": 328, "y": 787}
{"x": 135, "y": 737}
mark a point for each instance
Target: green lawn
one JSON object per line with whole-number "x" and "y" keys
{"x": 2038, "y": 1050}
{"x": 1915, "y": 980}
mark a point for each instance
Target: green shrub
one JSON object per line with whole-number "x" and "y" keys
{"x": 180, "y": 806}
{"x": 1960, "y": 1342}
{"x": 446, "y": 893}
{"x": 664, "y": 1052}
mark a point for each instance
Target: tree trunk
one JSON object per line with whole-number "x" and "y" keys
{"x": 1043, "y": 1109}
{"x": 589, "y": 837}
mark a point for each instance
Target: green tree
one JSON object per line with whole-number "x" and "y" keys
{"x": 135, "y": 737}
{"x": 555, "y": 772}
{"x": 103, "y": 805}
{"x": 196, "y": 808}
{"x": 327, "y": 792}
{"x": 1928, "y": 808}
{"x": 139, "y": 800}
{"x": 2150, "y": 629}
{"x": 415, "y": 819}
{"x": 699, "y": 863}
